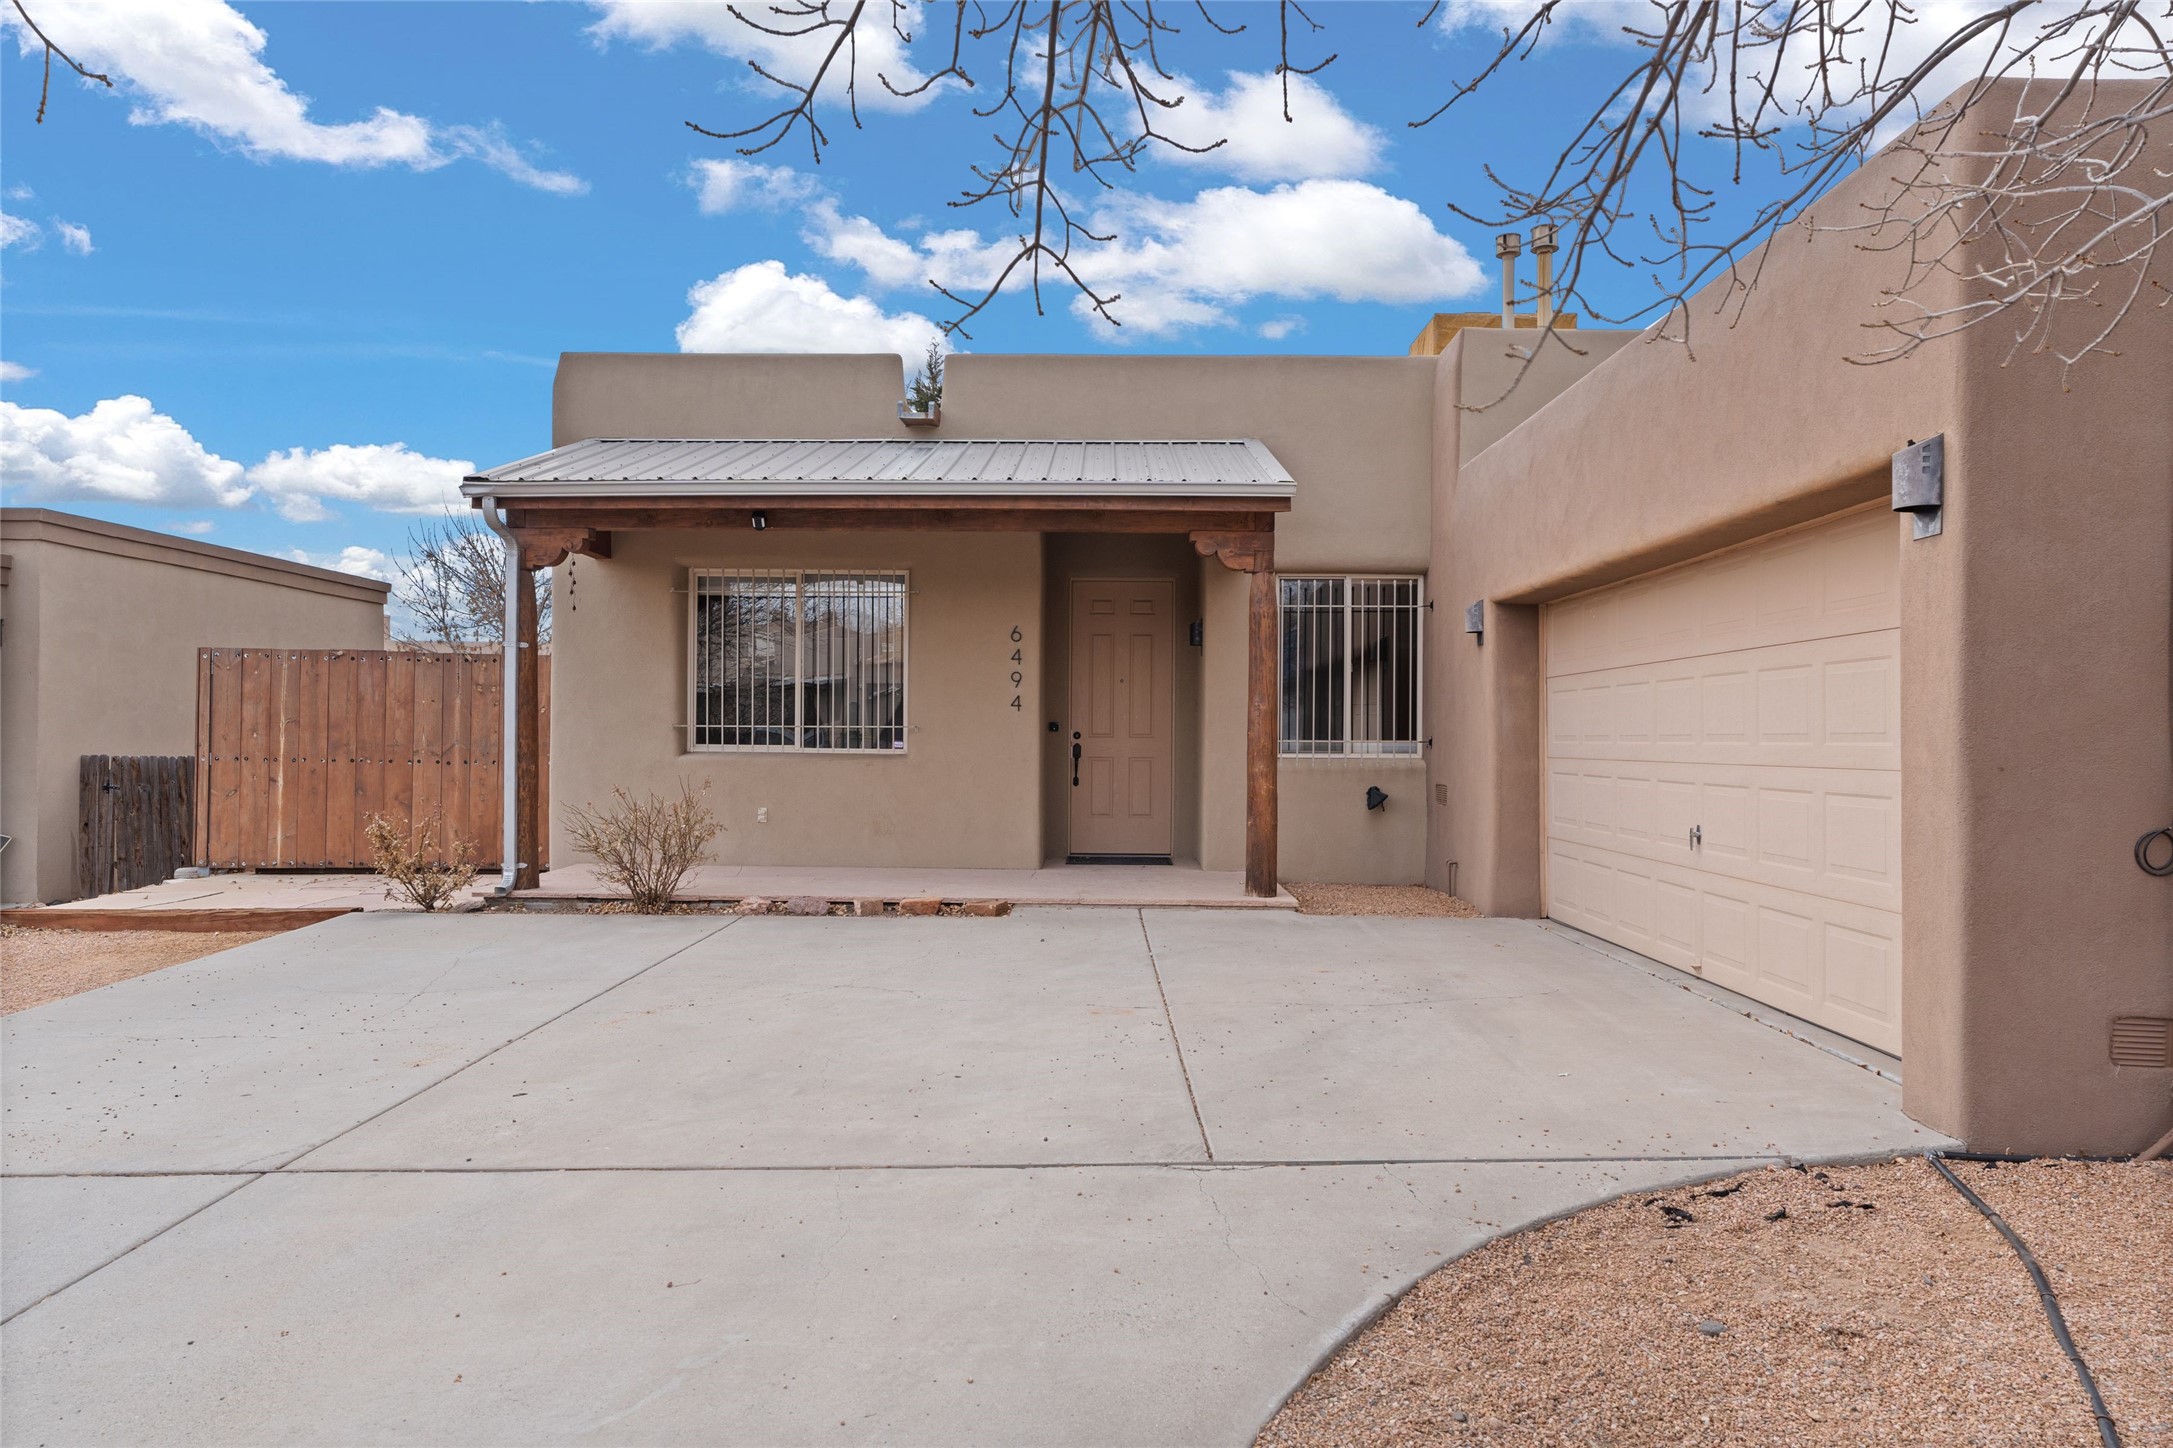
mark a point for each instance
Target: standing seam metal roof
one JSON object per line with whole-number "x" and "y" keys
{"x": 722, "y": 465}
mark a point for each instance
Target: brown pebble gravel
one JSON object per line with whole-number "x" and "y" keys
{"x": 1408, "y": 901}
{"x": 37, "y": 966}
{"x": 1854, "y": 1305}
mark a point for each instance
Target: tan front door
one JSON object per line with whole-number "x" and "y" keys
{"x": 1121, "y": 720}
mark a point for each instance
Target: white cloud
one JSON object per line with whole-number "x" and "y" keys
{"x": 121, "y": 451}
{"x": 300, "y": 482}
{"x": 76, "y": 238}
{"x": 1275, "y": 329}
{"x": 198, "y": 63}
{"x": 1319, "y": 139}
{"x": 196, "y": 527}
{"x": 353, "y": 559}
{"x": 16, "y": 372}
{"x": 1180, "y": 264}
{"x": 16, "y": 231}
{"x": 660, "y": 24}
{"x": 124, "y": 450}
{"x": 729, "y": 185}
{"x": 763, "y": 308}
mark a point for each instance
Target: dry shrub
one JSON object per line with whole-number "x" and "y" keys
{"x": 408, "y": 859}
{"x": 646, "y": 846}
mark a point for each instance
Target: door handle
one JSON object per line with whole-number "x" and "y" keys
{"x": 1697, "y": 836}
{"x": 1075, "y": 761}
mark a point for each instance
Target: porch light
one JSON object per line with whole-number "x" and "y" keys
{"x": 1376, "y": 797}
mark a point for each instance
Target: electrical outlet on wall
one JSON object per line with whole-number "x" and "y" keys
{"x": 762, "y": 815}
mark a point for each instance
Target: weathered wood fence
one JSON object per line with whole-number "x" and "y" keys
{"x": 136, "y": 820}
{"x": 297, "y": 748}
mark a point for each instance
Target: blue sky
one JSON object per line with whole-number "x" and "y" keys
{"x": 332, "y": 261}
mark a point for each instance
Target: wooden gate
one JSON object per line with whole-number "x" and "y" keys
{"x": 297, "y": 748}
{"x": 136, "y": 825}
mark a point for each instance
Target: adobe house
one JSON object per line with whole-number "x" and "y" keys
{"x": 98, "y": 656}
{"x": 1643, "y": 647}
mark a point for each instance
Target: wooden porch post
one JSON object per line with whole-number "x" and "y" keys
{"x": 1254, "y": 553}
{"x": 528, "y": 822}
{"x": 1260, "y": 691}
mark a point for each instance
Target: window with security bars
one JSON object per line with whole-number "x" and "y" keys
{"x": 1350, "y": 665}
{"x": 797, "y": 660}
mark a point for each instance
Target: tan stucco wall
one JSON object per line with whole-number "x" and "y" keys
{"x": 1351, "y": 430}
{"x": 1328, "y": 834}
{"x": 2035, "y": 648}
{"x": 964, "y": 792}
{"x": 99, "y": 657}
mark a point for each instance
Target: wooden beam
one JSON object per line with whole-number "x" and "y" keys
{"x": 528, "y": 765}
{"x": 880, "y": 520}
{"x": 544, "y": 510}
{"x": 1260, "y": 766}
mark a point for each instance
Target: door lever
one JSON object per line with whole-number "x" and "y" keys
{"x": 1697, "y": 836}
{"x": 1075, "y": 759}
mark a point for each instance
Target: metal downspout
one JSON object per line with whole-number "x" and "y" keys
{"x": 510, "y": 847}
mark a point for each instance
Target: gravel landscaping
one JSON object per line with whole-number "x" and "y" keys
{"x": 37, "y": 966}
{"x": 1406, "y": 901}
{"x": 1843, "y": 1305}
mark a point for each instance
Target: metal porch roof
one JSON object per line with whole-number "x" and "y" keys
{"x": 905, "y": 467}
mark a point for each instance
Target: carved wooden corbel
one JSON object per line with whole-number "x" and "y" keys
{"x": 1239, "y": 552}
{"x": 549, "y": 547}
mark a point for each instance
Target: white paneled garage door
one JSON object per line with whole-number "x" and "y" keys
{"x": 1724, "y": 771}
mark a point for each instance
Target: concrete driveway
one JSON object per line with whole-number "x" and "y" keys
{"x": 1073, "y": 1176}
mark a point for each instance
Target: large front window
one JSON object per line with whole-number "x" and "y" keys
{"x": 1350, "y": 665}
{"x": 797, "y": 660}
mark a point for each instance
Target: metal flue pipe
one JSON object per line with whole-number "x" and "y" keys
{"x": 1544, "y": 246}
{"x": 1508, "y": 245}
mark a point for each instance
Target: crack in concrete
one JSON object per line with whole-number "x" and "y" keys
{"x": 1229, "y": 1244}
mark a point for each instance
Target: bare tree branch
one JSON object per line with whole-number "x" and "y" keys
{"x": 1809, "y": 89}
{"x": 453, "y": 586}
{"x": 45, "y": 87}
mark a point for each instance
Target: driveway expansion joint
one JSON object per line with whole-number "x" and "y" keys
{"x": 1170, "y": 1016}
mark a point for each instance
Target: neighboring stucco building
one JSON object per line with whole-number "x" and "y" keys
{"x": 98, "y": 656}
{"x": 1724, "y": 708}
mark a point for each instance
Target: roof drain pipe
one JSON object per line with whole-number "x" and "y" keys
{"x": 509, "y": 727}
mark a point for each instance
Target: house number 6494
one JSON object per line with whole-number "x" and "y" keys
{"x": 1018, "y": 668}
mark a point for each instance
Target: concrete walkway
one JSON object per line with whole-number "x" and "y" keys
{"x": 1070, "y": 1176}
{"x": 1054, "y": 884}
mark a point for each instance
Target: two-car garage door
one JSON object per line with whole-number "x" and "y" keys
{"x": 1724, "y": 771}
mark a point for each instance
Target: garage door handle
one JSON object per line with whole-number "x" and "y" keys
{"x": 1697, "y": 836}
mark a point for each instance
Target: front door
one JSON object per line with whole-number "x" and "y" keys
{"x": 1121, "y": 716}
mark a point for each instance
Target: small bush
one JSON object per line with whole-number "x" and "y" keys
{"x": 405, "y": 856}
{"x": 646, "y": 846}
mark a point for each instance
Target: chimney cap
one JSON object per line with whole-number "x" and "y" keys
{"x": 1543, "y": 241}
{"x": 1507, "y": 244}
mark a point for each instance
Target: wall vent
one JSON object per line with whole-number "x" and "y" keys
{"x": 2142, "y": 1041}
{"x": 1441, "y": 794}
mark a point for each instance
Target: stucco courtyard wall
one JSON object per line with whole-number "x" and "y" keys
{"x": 2036, "y": 735}
{"x": 964, "y": 792}
{"x": 103, "y": 623}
